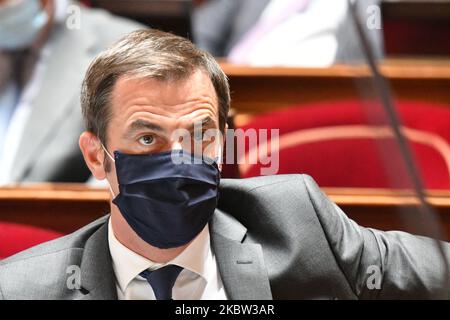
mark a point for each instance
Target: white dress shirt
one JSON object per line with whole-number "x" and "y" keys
{"x": 199, "y": 279}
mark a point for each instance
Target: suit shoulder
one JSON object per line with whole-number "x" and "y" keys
{"x": 268, "y": 193}
{"x": 282, "y": 180}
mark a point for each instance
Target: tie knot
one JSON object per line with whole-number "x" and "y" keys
{"x": 162, "y": 280}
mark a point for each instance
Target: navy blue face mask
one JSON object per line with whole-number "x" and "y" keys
{"x": 167, "y": 198}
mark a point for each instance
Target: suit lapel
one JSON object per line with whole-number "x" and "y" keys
{"x": 98, "y": 281}
{"x": 70, "y": 54}
{"x": 241, "y": 265}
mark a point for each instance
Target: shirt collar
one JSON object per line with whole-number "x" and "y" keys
{"x": 128, "y": 265}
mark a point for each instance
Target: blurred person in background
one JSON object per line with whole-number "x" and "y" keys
{"x": 45, "y": 48}
{"x": 309, "y": 33}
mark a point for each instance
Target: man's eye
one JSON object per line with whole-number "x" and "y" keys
{"x": 146, "y": 140}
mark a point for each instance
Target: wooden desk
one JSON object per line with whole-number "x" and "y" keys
{"x": 67, "y": 207}
{"x": 60, "y": 207}
{"x": 260, "y": 89}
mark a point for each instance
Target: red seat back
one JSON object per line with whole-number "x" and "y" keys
{"x": 334, "y": 143}
{"x": 16, "y": 237}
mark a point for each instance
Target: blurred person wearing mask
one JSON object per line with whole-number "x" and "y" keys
{"x": 305, "y": 33}
{"x": 42, "y": 62}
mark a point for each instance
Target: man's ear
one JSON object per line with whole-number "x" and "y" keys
{"x": 93, "y": 154}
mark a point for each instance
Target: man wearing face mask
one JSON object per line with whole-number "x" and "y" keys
{"x": 176, "y": 231}
{"x": 45, "y": 47}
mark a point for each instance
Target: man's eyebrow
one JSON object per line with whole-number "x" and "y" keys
{"x": 206, "y": 122}
{"x": 142, "y": 125}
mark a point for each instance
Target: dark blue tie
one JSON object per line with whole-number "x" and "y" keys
{"x": 162, "y": 280}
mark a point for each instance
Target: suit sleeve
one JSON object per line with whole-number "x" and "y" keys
{"x": 377, "y": 264}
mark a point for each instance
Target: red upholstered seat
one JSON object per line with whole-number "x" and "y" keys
{"x": 16, "y": 237}
{"x": 334, "y": 143}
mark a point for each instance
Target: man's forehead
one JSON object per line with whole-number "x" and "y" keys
{"x": 164, "y": 90}
{"x": 134, "y": 97}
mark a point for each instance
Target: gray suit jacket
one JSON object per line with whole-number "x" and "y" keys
{"x": 274, "y": 237}
{"x": 48, "y": 150}
{"x": 218, "y": 26}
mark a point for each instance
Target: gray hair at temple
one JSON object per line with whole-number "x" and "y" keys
{"x": 146, "y": 54}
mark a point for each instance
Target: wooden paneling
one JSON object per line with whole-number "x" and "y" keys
{"x": 60, "y": 207}
{"x": 260, "y": 89}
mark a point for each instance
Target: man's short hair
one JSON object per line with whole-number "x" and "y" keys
{"x": 146, "y": 54}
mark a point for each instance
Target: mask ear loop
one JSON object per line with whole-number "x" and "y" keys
{"x": 109, "y": 155}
